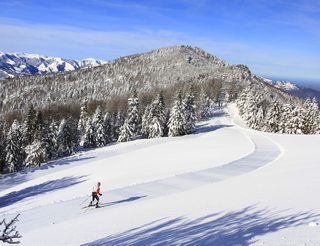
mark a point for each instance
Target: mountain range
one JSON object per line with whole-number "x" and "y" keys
{"x": 17, "y": 64}
{"x": 294, "y": 89}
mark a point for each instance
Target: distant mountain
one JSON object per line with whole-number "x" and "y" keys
{"x": 294, "y": 89}
{"x": 17, "y": 64}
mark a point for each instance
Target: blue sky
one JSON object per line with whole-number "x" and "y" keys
{"x": 279, "y": 39}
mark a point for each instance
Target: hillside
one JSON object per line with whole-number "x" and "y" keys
{"x": 223, "y": 185}
{"x": 159, "y": 69}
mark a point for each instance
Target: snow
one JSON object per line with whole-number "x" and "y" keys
{"x": 223, "y": 185}
{"x": 68, "y": 67}
{"x": 285, "y": 85}
{"x": 43, "y": 68}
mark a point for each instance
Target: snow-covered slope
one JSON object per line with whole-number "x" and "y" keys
{"x": 17, "y": 64}
{"x": 223, "y": 185}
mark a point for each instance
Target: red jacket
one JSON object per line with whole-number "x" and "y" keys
{"x": 98, "y": 191}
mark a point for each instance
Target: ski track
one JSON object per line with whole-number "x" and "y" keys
{"x": 265, "y": 151}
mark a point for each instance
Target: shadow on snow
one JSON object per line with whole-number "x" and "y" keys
{"x": 12, "y": 179}
{"x": 131, "y": 199}
{"x": 45, "y": 187}
{"x": 208, "y": 128}
{"x": 234, "y": 228}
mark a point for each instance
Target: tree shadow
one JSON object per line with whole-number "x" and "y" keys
{"x": 233, "y": 228}
{"x": 131, "y": 199}
{"x": 218, "y": 114}
{"x": 11, "y": 179}
{"x": 45, "y": 187}
{"x": 208, "y": 128}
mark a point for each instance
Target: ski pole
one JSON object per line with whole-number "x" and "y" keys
{"x": 85, "y": 200}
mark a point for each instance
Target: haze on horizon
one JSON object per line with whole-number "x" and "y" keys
{"x": 276, "y": 39}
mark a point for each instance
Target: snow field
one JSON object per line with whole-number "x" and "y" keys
{"x": 272, "y": 201}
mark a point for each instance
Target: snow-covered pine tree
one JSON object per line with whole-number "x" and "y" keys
{"x": 161, "y": 111}
{"x": 53, "y": 133}
{"x": 146, "y": 122}
{"x": 118, "y": 122}
{"x": 133, "y": 116}
{"x": 295, "y": 122}
{"x": 132, "y": 125}
{"x": 177, "y": 120}
{"x": 2, "y": 147}
{"x": 251, "y": 108}
{"x": 15, "y": 153}
{"x": 316, "y": 113}
{"x": 82, "y": 123}
{"x": 311, "y": 116}
{"x": 260, "y": 118}
{"x": 190, "y": 112}
{"x": 285, "y": 124}
{"x": 67, "y": 137}
{"x": 98, "y": 126}
{"x": 204, "y": 106}
{"x": 89, "y": 139}
{"x": 30, "y": 125}
{"x": 107, "y": 124}
{"x": 154, "y": 118}
{"x": 274, "y": 117}
{"x": 125, "y": 132}
{"x": 243, "y": 99}
{"x": 40, "y": 150}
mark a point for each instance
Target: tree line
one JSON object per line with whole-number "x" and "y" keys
{"x": 35, "y": 139}
{"x": 277, "y": 116}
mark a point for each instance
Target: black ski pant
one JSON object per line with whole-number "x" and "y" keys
{"x": 95, "y": 197}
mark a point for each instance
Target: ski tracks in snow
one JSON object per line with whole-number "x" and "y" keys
{"x": 265, "y": 151}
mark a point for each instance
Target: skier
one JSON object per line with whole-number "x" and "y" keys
{"x": 95, "y": 194}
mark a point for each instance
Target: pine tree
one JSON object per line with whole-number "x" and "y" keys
{"x": 146, "y": 122}
{"x": 119, "y": 121}
{"x": 154, "y": 118}
{"x": 242, "y": 100}
{"x": 53, "y": 133}
{"x": 295, "y": 122}
{"x": 190, "y": 112}
{"x": 311, "y": 116}
{"x": 89, "y": 139}
{"x": 177, "y": 120}
{"x": 40, "y": 150}
{"x": 67, "y": 137}
{"x": 134, "y": 118}
{"x": 260, "y": 118}
{"x": 274, "y": 117}
{"x": 15, "y": 153}
{"x": 132, "y": 125}
{"x": 30, "y": 128}
{"x": 251, "y": 108}
{"x": 287, "y": 114}
{"x": 82, "y": 123}
{"x": 107, "y": 125}
{"x": 204, "y": 108}
{"x": 98, "y": 126}
{"x": 2, "y": 147}
{"x": 125, "y": 132}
